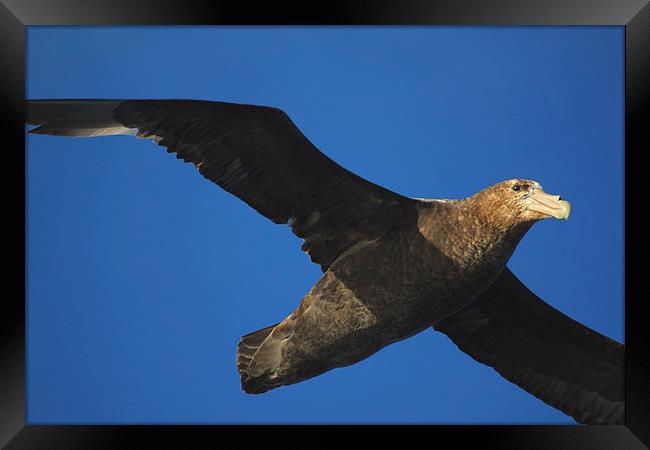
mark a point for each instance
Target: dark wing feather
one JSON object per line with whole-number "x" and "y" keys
{"x": 253, "y": 152}
{"x": 533, "y": 345}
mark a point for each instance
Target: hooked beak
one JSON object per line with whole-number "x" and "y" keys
{"x": 550, "y": 205}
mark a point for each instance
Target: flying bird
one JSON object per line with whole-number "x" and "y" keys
{"x": 393, "y": 266}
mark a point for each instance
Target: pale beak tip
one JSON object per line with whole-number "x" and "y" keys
{"x": 564, "y": 211}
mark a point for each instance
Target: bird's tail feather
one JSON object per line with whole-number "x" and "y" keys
{"x": 254, "y": 361}
{"x": 80, "y": 118}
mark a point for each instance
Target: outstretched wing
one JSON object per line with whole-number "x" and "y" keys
{"x": 254, "y": 152}
{"x": 533, "y": 345}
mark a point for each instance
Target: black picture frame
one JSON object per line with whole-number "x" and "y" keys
{"x": 15, "y": 15}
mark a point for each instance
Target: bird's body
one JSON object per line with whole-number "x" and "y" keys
{"x": 392, "y": 266}
{"x": 383, "y": 292}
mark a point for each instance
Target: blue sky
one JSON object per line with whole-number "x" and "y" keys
{"x": 142, "y": 275}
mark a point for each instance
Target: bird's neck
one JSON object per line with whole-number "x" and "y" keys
{"x": 479, "y": 237}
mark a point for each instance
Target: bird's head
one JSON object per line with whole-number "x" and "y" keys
{"x": 523, "y": 201}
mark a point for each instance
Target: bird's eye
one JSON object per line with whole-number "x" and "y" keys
{"x": 516, "y": 187}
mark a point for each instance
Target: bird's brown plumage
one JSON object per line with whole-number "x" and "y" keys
{"x": 392, "y": 266}
{"x": 429, "y": 267}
